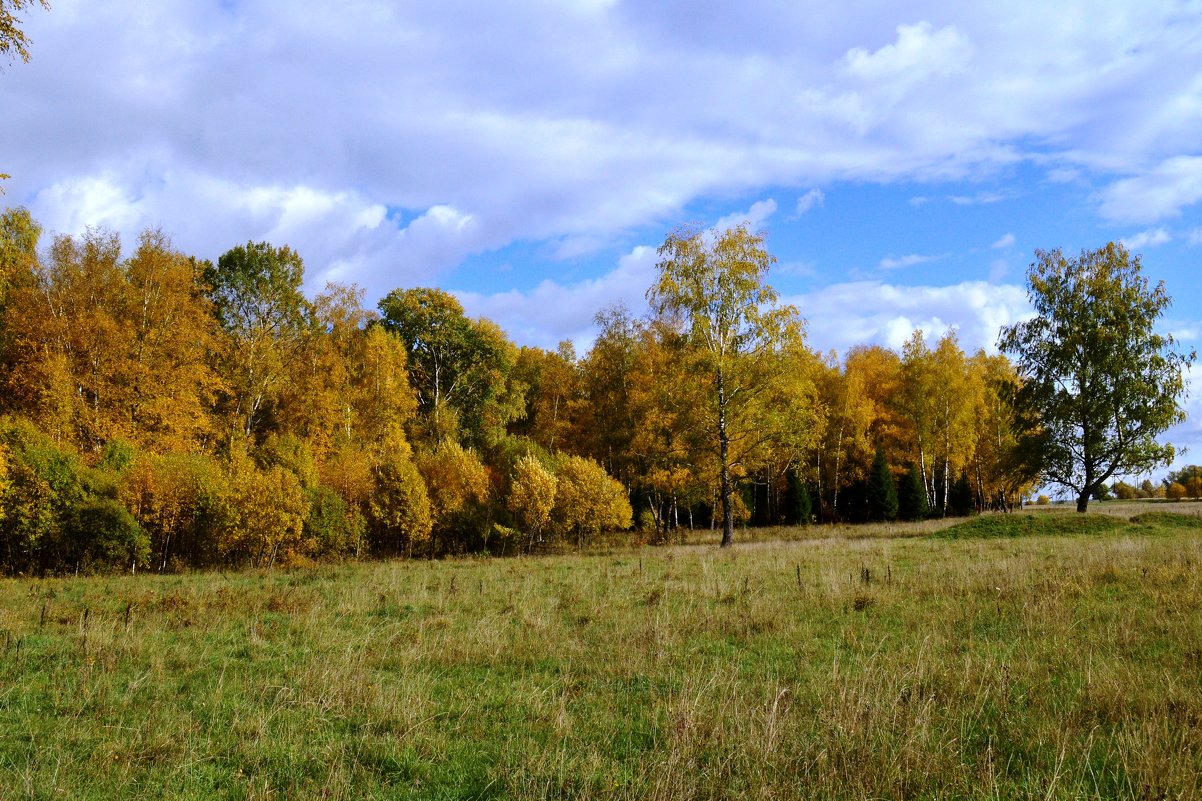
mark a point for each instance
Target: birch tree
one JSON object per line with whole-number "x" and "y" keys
{"x": 716, "y": 283}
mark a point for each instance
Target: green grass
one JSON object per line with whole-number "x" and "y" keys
{"x": 1064, "y": 663}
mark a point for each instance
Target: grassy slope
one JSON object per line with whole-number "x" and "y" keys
{"x": 1062, "y": 664}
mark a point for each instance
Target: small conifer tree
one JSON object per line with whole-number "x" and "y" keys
{"x": 911, "y": 496}
{"x": 882, "y": 490}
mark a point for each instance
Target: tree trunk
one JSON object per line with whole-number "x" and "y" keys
{"x": 728, "y": 513}
{"x": 1083, "y": 501}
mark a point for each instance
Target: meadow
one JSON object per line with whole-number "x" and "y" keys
{"x": 1037, "y": 655}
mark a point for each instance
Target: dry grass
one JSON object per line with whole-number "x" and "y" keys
{"x": 838, "y": 666}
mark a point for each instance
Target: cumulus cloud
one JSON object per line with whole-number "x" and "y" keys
{"x": 873, "y": 312}
{"x": 342, "y": 235}
{"x": 575, "y": 127}
{"x": 1005, "y": 241}
{"x": 919, "y": 52}
{"x": 755, "y": 217}
{"x": 1150, "y": 238}
{"x": 554, "y": 311}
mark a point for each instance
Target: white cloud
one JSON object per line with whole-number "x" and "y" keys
{"x": 919, "y": 52}
{"x": 872, "y": 312}
{"x": 553, "y": 311}
{"x": 1194, "y": 238}
{"x": 999, "y": 269}
{"x": 341, "y": 235}
{"x": 981, "y": 198}
{"x": 1150, "y": 238}
{"x": 891, "y": 263}
{"x": 754, "y": 217}
{"x": 1154, "y": 195}
{"x": 1003, "y": 242}
{"x": 810, "y": 200}
{"x": 574, "y": 127}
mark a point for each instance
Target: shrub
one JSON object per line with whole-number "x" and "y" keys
{"x": 458, "y": 486}
{"x": 587, "y": 500}
{"x": 332, "y": 526}
{"x": 103, "y": 535}
{"x": 532, "y": 496}
{"x": 398, "y": 514}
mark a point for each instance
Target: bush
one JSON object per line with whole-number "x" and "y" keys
{"x": 332, "y": 526}
{"x": 103, "y": 535}
{"x": 1124, "y": 491}
{"x": 399, "y": 518}
{"x": 587, "y": 500}
{"x": 42, "y": 491}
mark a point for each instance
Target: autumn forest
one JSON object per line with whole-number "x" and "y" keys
{"x": 163, "y": 412}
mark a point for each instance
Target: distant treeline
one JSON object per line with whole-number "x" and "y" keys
{"x": 166, "y": 412}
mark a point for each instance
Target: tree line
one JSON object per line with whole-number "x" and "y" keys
{"x": 164, "y": 412}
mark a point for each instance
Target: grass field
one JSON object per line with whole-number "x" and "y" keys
{"x": 1036, "y": 656}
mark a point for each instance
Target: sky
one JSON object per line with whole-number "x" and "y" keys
{"x": 904, "y": 160}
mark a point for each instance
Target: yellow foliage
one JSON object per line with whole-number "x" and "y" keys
{"x": 399, "y": 509}
{"x": 454, "y": 478}
{"x": 3, "y": 480}
{"x": 587, "y": 500}
{"x": 532, "y": 495}
{"x": 268, "y": 514}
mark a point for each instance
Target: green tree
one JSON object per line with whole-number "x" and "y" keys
{"x": 798, "y": 502}
{"x": 459, "y": 368}
{"x": 255, "y": 290}
{"x": 960, "y": 497}
{"x": 1102, "y": 383}
{"x": 714, "y": 283}
{"x": 911, "y": 496}
{"x": 881, "y": 491}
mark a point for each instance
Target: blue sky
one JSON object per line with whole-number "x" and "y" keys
{"x": 904, "y": 159}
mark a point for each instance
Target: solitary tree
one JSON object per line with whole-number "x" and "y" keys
{"x": 1100, "y": 382}
{"x": 714, "y": 283}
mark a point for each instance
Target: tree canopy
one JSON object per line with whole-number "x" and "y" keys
{"x": 1099, "y": 380}
{"x": 715, "y": 284}
{"x": 164, "y": 412}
